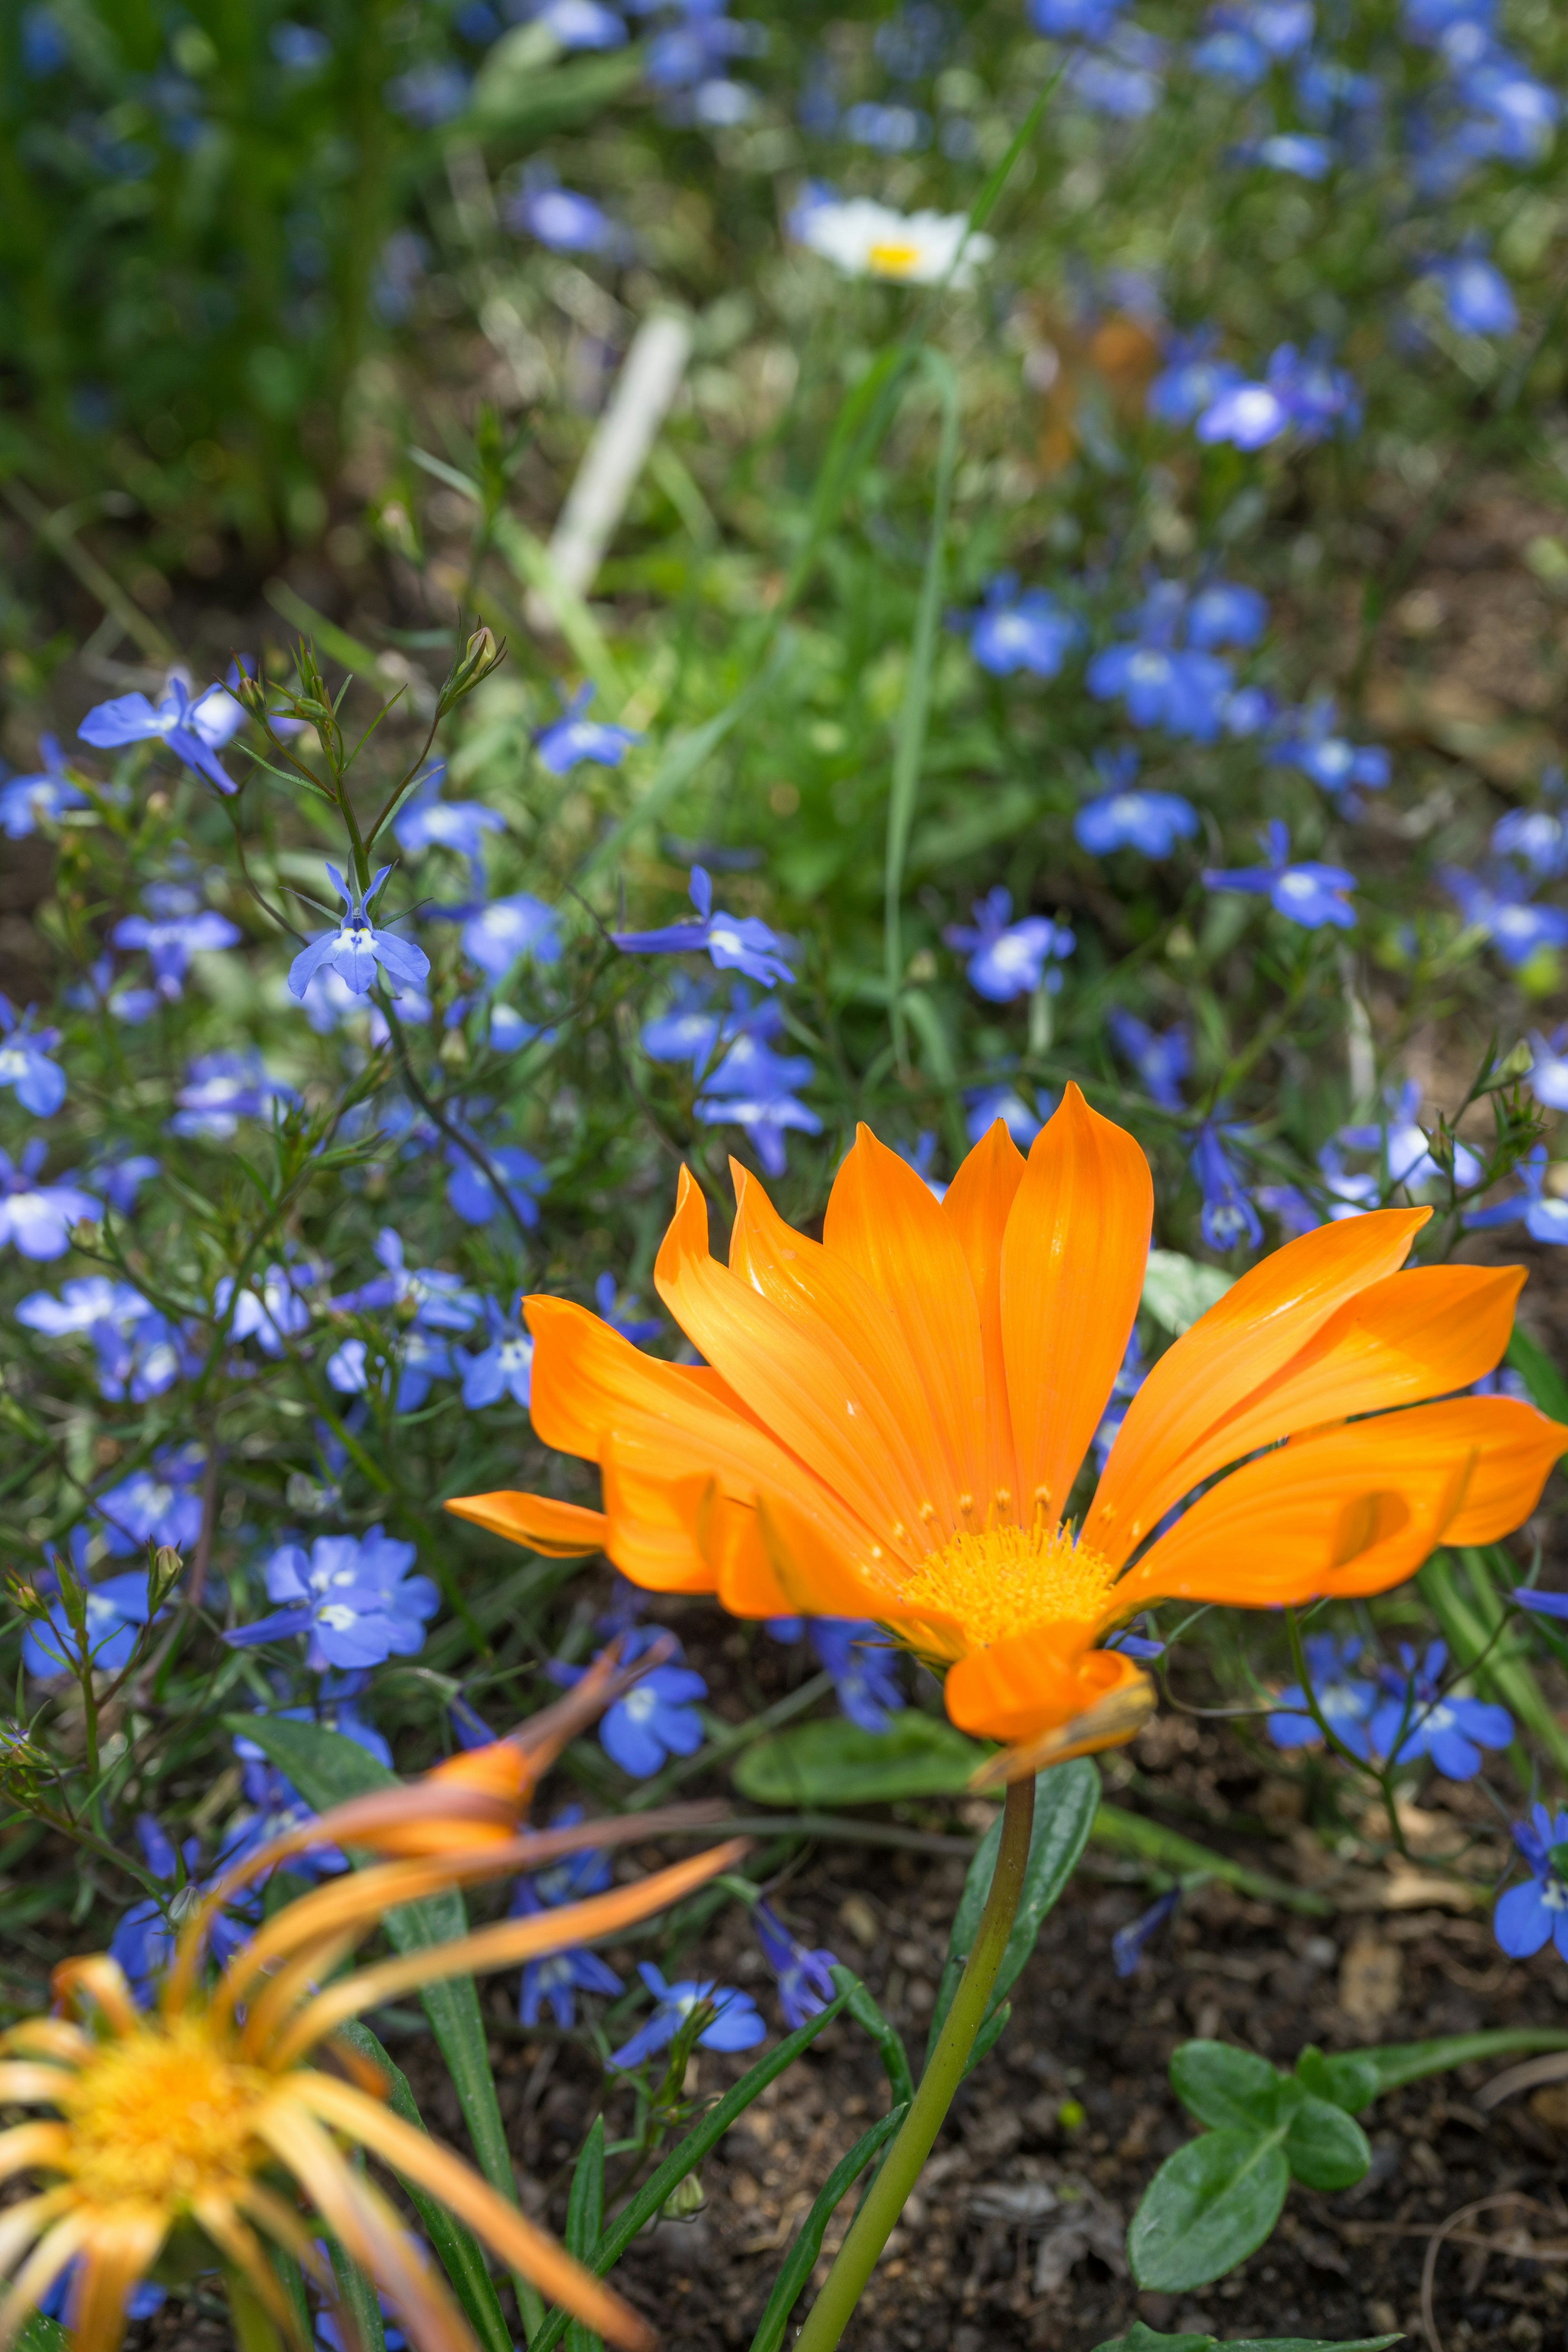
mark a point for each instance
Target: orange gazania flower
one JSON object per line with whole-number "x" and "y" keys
{"x": 892, "y": 1423}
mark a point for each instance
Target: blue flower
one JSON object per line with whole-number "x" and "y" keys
{"x": 176, "y": 926}
{"x": 159, "y": 1504}
{"x": 505, "y": 1368}
{"x": 93, "y": 1299}
{"x": 1530, "y": 1916}
{"x": 1227, "y": 1217}
{"x": 1162, "y": 1059}
{"x": 1345, "y": 1700}
{"x": 1298, "y": 152}
{"x": 619, "y": 1311}
{"x": 193, "y": 731}
{"x": 143, "y": 1941}
{"x": 586, "y": 1872}
{"x": 426, "y": 822}
{"x": 1476, "y": 295}
{"x": 120, "y": 1177}
{"x": 749, "y": 1084}
{"x": 1307, "y": 893}
{"x": 1123, "y": 1389}
{"x": 582, "y": 23}
{"x": 1415, "y": 1719}
{"x": 298, "y": 48}
{"x": 270, "y": 1310}
{"x": 38, "y": 1217}
{"x": 1122, "y": 80}
{"x": 1528, "y": 1596}
{"x": 1227, "y": 54}
{"x": 558, "y": 1979}
{"x": 892, "y": 129}
{"x": 1401, "y": 1143}
{"x": 572, "y": 737}
{"x": 1544, "y": 1220}
{"x": 142, "y": 1355}
{"x": 1225, "y": 612}
{"x": 471, "y": 1193}
{"x": 1539, "y": 836}
{"x": 657, "y": 1718}
{"x": 1501, "y": 909}
{"x": 221, "y": 1089}
{"x": 1313, "y": 744}
{"x": 1009, "y": 959}
{"x": 59, "y": 2302}
{"x": 864, "y": 1668}
{"x": 1131, "y": 818}
{"x": 805, "y": 1986}
{"x": 1130, "y": 1943}
{"x": 1548, "y": 1074}
{"x": 353, "y": 1596}
{"x": 417, "y": 1358}
{"x": 983, "y": 1106}
{"x": 355, "y": 948}
{"x": 1182, "y": 688}
{"x": 25, "y": 1063}
{"x": 737, "y": 2025}
{"x": 494, "y": 937}
{"x": 1075, "y": 20}
{"x": 1192, "y": 378}
{"x": 116, "y": 1610}
{"x": 27, "y": 802}
{"x": 439, "y": 1301}
{"x": 734, "y": 942}
{"x": 429, "y": 94}
{"x": 1303, "y": 394}
{"x": 1012, "y": 632}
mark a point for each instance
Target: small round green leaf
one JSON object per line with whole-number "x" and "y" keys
{"x": 1324, "y": 2147}
{"x": 1225, "y": 2086}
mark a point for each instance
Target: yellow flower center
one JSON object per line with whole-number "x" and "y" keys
{"x": 160, "y": 2116}
{"x": 1008, "y": 1579}
{"x": 893, "y": 260}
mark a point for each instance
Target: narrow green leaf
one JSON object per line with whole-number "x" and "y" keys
{"x": 1153, "y": 1842}
{"x": 837, "y": 1763}
{"x": 801, "y": 2260}
{"x": 585, "y": 2221}
{"x": 1139, "y": 2339}
{"x": 1226, "y": 2087}
{"x": 1408, "y": 2061}
{"x": 889, "y": 2041}
{"x": 1207, "y": 2208}
{"x": 1547, "y": 1387}
{"x": 1065, "y": 1799}
{"x": 40, "y": 2334}
{"x": 360, "y": 2302}
{"x": 531, "y": 562}
{"x": 685, "y": 2157}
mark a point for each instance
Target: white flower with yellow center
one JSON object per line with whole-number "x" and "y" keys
{"x": 871, "y": 240}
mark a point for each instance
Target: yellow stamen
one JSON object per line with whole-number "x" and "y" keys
{"x": 1010, "y": 1579}
{"x": 891, "y": 260}
{"x": 163, "y": 2116}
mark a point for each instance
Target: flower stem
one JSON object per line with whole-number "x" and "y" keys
{"x": 884, "y": 2201}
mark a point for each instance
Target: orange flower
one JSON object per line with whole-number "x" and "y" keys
{"x": 892, "y": 1423}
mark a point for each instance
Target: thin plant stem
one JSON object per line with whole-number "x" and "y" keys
{"x": 255, "y": 2329}
{"x": 886, "y": 2199}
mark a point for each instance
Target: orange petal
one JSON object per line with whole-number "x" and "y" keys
{"x": 1034, "y": 1682}
{"x": 1354, "y": 1509}
{"x": 559, "y": 1530}
{"x": 819, "y": 1579}
{"x": 1262, "y": 1322}
{"x": 883, "y": 1220}
{"x": 813, "y": 1352}
{"x": 125, "y": 2244}
{"x": 651, "y": 1522}
{"x": 1072, "y": 1272}
{"x": 977, "y": 1206}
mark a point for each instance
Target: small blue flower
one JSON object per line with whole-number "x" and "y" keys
{"x": 1075, "y": 20}
{"x": 1192, "y": 378}
{"x": 805, "y": 1986}
{"x": 1345, "y": 1700}
{"x": 1538, "y": 836}
{"x": 25, "y": 1063}
{"x": 572, "y": 736}
{"x": 1308, "y": 893}
{"x": 1306, "y": 395}
{"x": 1530, "y": 1916}
{"x": 1402, "y": 1145}
{"x": 582, "y": 23}
{"x": 619, "y": 1311}
{"x": 1225, "y": 612}
{"x": 221, "y": 1089}
{"x": 1477, "y": 296}
{"x": 1312, "y": 743}
{"x": 734, "y": 942}
{"x": 505, "y": 1368}
{"x": 193, "y": 731}
{"x": 1544, "y": 1220}
{"x": 1028, "y": 632}
{"x": 439, "y": 1301}
{"x": 496, "y": 936}
{"x": 657, "y": 1718}
{"x": 890, "y": 130}
{"x": 864, "y": 1668}
{"x": 1502, "y": 910}
{"x": 1009, "y": 959}
{"x": 38, "y": 1218}
{"x": 477, "y": 1200}
{"x": 116, "y": 1610}
{"x": 27, "y": 802}
{"x": 93, "y": 1299}
{"x": 159, "y": 1504}
{"x": 1131, "y": 818}
{"x": 1548, "y": 1076}
{"x": 426, "y": 822}
{"x": 176, "y": 927}
{"x": 298, "y": 48}
{"x": 1122, "y": 80}
{"x": 1298, "y": 153}
{"x": 1415, "y": 1719}
{"x": 558, "y": 1979}
{"x": 428, "y": 95}
{"x": 1183, "y": 689}
{"x": 737, "y": 2025}
{"x": 355, "y": 948}
{"x": 142, "y": 1355}
{"x": 1130, "y": 1943}
{"x": 1162, "y": 1058}
{"x": 60, "y": 2301}
{"x": 585, "y": 1871}
{"x": 1539, "y": 1604}
{"x": 983, "y": 1106}
{"x": 353, "y": 1597}
{"x": 1227, "y": 1217}
{"x": 270, "y": 1310}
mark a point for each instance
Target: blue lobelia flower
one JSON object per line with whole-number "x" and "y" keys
{"x": 1075, "y": 20}
{"x": 1544, "y": 1220}
{"x": 93, "y": 1299}
{"x": 143, "y": 1941}
{"x": 417, "y": 1358}
{"x": 1548, "y": 1075}
{"x": 892, "y": 130}
{"x": 141, "y": 1354}
{"x": 1477, "y": 296}
{"x": 1162, "y": 1058}
{"x": 618, "y": 1308}
{"x": 1346, "y": 1699}
{"x": 1530, "y": 1916}
{"x": 1402, "y": 1144}
{"x": 1306, "y": 892}
{"x": 176, "y": 927}
{"x": 1539, "y": 1604}
{"x": 195, "y": 731}
{"x": 1304, "y": 396}
{"x": 1229, "y": 55}
{"x": 116, "y": 1610}
{"x": 1228, "y": 1218}
{"x": 558, "y": 1979}
{"x": 864, "y": 1668}
{"x": 745, "y": 1083}
{"x": 478, "y": 1200}
{"x": 574, "y": 1875}
{"x": 158, "y": 1505}
{"x": 426, "y": 822}
{"x": 1415, "y": 1719}
{"x": 58, "y": 2303}
{"x": 119, "y": 1175}
{"x": 805, "y": 1986}
{"x": 221, "y": 1089}
{"x": 562, "y": 220}
{"x": 1013, "y": 632}
{"x": 504, "y": 1367}
{"x": 1191, "y": 379}
{"x": 1225, "y": 613}
{"x": 658, "y": 1716}
{"x": 38, "y": 1218}
{"x": 734, "y": 942}
{"x": 497, "y": 936}
{"x": 573, "y": 737}
{"x": 1501, "y": 909}
{"x": 1298, "y": 152}
{"x": 1128, "y": 1944}
{"x": 1009, "y": 959}
{"x": 437, "y": 1301}
{"x": 27, "y": 802}
{"x": 428, "y": 94}
{"x": 983, "y": 1106}
{"x": 353, "y": 1597}
{"x": 737, "y": 2025}
{"x": 1311, "y": 741}
{"x": 1162, "y": 684}
{"x": 1122, "y": 80}
{"x": 1132, "y": 818}
{"x": 582, "y": 23}
{"x": 355, "y": 948}
{"x": 24, "y": 1064}
{"x": 270, "y": 1310}
{"x": 1537, "y": 836}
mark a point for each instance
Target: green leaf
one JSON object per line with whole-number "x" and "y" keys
{"x": 1408, "y": 2061}
{"x": 1351, "y": 2080}
{"x": 1139, "y": 2339}
{"x": 1207, "y": 2208}
{"x": 586, "y": 2220}
{"x": 801, "y": 2260}
{"x": 1547, "y": 1387}
{"x": 1225, "y": 2086}
{"x": 837, "y": 1763}
{"x": 358, "y": 2295}
{"x": 327, "y": 1769}
{"x": 889, "y": 2041}
{"x": 1324, "y": 2147}
{"x": 1065, "y": 1800}
{"x": 514, "y": 102}
{"x": 1177, "y": 1289}
{"x": 41, "y": 2335}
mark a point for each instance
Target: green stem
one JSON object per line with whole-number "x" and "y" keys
{"x": 884, "y": 2201}
{"x": 255, "y": 2329}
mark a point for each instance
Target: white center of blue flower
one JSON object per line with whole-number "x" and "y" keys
{"x": 1297, "y": 886}
{"x": 515, "y": 1355}
{"x": 337, "y": 1616}
{"x": 13, "y": 1065}
{"x": 721, "y": 936}
{"x": 355, "y": 934}
{"x": 1553, "y": 1894}
{"x": 640, "y": 1705}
